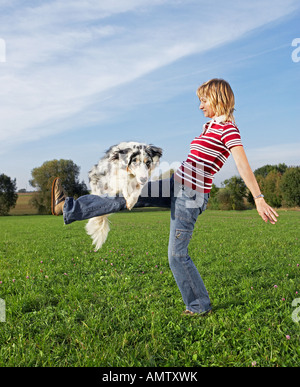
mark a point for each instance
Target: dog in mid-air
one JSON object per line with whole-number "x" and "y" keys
{"x": 124, "y": 169}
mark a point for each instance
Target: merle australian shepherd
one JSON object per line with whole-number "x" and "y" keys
{"x": 124, "y": 169}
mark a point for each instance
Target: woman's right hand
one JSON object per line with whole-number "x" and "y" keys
{"x": 266, "y": 212}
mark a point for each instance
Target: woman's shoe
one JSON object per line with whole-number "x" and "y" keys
{"x": 189, "y": 313}
{"x": 57, "y": 197}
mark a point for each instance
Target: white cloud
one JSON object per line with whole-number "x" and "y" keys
{"x": 63, "y": 57}
{"x": 275, "y": 154}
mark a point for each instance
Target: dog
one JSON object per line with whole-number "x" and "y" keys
{"x": 124, "y": 169}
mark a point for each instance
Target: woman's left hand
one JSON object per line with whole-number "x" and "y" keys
{"x": 266, "y": 212}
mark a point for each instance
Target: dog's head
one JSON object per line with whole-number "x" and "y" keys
{"x": 138, "y": 159}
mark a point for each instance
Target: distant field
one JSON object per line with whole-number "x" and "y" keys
{"x": 23, "y": 206}
{"x": 67, "y": 305}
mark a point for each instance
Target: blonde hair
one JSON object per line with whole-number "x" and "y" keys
{"x": 220, "y": 96}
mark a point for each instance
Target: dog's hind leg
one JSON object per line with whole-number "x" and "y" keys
{"x": 98, "y": 229}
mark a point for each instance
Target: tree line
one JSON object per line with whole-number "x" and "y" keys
{"x": 42, "y": 178}
{"x": 280, "y": 185}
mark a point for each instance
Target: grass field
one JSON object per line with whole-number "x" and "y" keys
{"x": 67, "y": 305}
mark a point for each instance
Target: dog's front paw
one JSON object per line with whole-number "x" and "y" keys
{"x": 131, "y": 201}
{"x": 130, "y": 204}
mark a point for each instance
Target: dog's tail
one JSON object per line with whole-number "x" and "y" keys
{"x": 98, "y": 229}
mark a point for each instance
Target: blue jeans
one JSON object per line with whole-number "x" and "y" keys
{"x": 186, "y": 205}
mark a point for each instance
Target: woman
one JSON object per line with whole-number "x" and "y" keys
{"x": 189, "y": 190}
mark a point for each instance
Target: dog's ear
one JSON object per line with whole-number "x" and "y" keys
{"x": 114, "y": 156}
{"x": 119, "y": 154}
{"x": 154, "y": 152}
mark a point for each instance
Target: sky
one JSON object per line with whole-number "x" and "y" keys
{"x": 79, "y": 76}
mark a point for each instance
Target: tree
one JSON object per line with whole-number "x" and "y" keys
{"x": 213, "y": 203}
{"x": 266, "y": 169}
{"x": 8, "y": 196}
{"x": 290, "y": 187}
{"x": 42, "y": 178}
{"x": 268, "y": 178}
{"x": 233, "y": 195}
{"x": 224, "y": 199}
{"x": 271, "y": 188}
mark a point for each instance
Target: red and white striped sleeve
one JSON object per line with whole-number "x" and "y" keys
{"x": 231, "y": 136}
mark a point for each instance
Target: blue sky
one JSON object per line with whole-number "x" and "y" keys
{"x": 79, "y": 76}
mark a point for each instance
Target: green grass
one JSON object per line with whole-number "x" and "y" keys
{"x": 67, "y": 305}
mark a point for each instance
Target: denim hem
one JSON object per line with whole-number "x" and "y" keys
{"x": 201, "y": 311}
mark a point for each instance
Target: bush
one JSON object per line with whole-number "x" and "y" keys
{"x": 290, "y": 187}
{"x": 272, "y": 191}
{"x": 213, "y": 203}
{"x": 232, "y": 196}
{"x": 8, "y": 196}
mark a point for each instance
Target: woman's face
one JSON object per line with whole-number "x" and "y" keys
{"x": 206, "y": 108}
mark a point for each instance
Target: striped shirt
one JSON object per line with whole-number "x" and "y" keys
{"x": 208, "y": 153}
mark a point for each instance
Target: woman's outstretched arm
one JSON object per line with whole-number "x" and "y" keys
{"x": 265, "y": 211}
